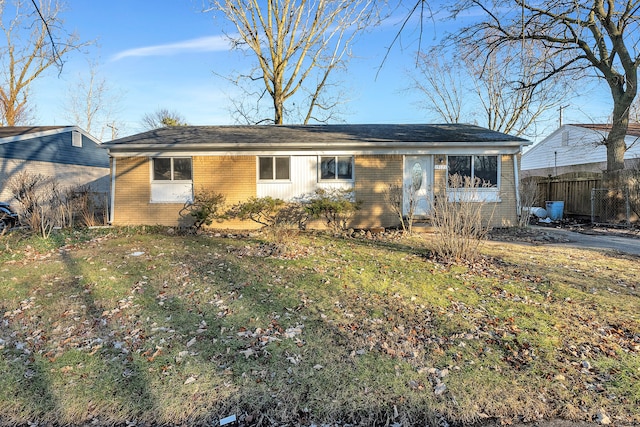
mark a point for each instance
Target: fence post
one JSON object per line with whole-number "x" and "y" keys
{"x": 593, "y": 205}
{"x": 627, "y": 205}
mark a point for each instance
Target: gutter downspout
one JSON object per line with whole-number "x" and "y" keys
{"x": 517, "y": 180}
{"x": 113, "y": 190}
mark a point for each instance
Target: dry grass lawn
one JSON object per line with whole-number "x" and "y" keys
{"x": 134, "y": 327}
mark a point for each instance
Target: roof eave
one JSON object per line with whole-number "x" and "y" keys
{"x": 280, "y": 146}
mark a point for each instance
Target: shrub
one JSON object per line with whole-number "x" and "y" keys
{"x": 271, "y": 212}
{"x": 528, "y": 197}
{"x": 394, "y": 196}
{"x": 263, "y": 210}
{"x": 457, "y": 216}
{"x": 335, "y": 206}
{"x": 44, "y": 204}
{"x": 205, "y": 207}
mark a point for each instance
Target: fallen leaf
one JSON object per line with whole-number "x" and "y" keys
{"x": 248, "y": 353}
{"x": 440, "y": 388}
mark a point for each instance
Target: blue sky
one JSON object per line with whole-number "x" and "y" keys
{"x": 166, "y": 53}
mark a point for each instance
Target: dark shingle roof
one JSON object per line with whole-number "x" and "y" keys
{"x": 313, "y": 136}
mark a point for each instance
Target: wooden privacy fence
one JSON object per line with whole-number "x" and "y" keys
{"x": 574, "y": 189}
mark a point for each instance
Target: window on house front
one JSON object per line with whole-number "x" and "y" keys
{"x": 274, "y": 168}
{"x": 171, "y": 180}
{"x": 336, "y": 167}
{"x": 76, "y": 139}
{"x": 172, "y": 169}
{"x": 481, "y": 168}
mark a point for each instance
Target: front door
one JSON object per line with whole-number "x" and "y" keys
{"x": 417, "y": 188}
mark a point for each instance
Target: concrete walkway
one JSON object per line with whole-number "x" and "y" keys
{"x": 626, "y": 245}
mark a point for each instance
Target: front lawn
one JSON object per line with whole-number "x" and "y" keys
{"x": 133, "y": 327}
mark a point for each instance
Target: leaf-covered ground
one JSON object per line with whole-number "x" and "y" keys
{"x": 132, "y": 328}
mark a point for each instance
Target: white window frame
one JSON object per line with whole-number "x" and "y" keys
{"x": 171, "y": 190}
{"x": 76, "y": 139}
{"x": 478, "y": 194}
{"x": 273, "y": 160}
{"x": 336, "y": 179}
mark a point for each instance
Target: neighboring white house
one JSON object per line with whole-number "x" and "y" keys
{"x": 67, "y": 154}
{"x": 577, "y": 148}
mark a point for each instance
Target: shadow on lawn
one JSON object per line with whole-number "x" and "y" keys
{"x": 118, "y": 377}
{"x": 234, "y": 373}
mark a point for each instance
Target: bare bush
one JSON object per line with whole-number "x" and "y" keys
{"x": 86, "y": 206}
{"x": 394, "y": 196}
{"x": 44, "y": 204}
{"x": 528, "y": 197}
{"x": 461, "y": 219}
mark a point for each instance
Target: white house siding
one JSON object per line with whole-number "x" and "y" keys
{"x": 303, "y": 182}
{"x": 572, "y": 149}
{"x": 65, "y": 175}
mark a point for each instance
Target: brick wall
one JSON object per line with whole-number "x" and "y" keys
{"x": 233, "y": 176}
{"x": 502, "y": 213}
{"x": 373, "y": 176}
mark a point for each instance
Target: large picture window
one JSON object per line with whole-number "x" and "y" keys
{"x": 172, "y": 169}
{"x": 336, "y": 167}
{"x": 274, "y": 168}
{"x": 481, "y": 168}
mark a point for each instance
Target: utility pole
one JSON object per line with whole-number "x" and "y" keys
{"x": 114, "y": 130}
{"x": 562, "y": 107}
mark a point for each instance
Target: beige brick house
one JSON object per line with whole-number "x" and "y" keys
{"x": 154, "y": 173}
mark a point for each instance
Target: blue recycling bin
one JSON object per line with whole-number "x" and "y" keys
{"x": 555, "y": 209}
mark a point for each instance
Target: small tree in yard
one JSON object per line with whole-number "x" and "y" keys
{"x": 457, "y": 216}
{"x": 336, "y": 206}
{"x": 205, "y": 207}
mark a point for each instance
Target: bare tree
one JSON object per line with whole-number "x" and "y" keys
{"x": 28, "y": 51}
{"x": 493, "y": 83}
{"x": 297, "y": 45}
{"x": 634, "y": 111}
{"x": 91, "y": 103}
{"x": 587, "y": 38}
{"x": 441, "y": 83}
{"x": 162, "y": 117}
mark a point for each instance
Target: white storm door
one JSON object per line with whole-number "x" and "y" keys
{"x": 417, "y": 189}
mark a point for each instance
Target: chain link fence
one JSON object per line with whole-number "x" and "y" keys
{"x": 610, "y": 206}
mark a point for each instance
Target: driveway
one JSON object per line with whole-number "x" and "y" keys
{"x": 601, "y": 241}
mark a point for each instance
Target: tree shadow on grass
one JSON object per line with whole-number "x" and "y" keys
{"x": 60, "y": 364}
{"x": 116, "y": 374}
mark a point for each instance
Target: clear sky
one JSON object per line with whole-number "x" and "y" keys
{"x": 166, "y": 54}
